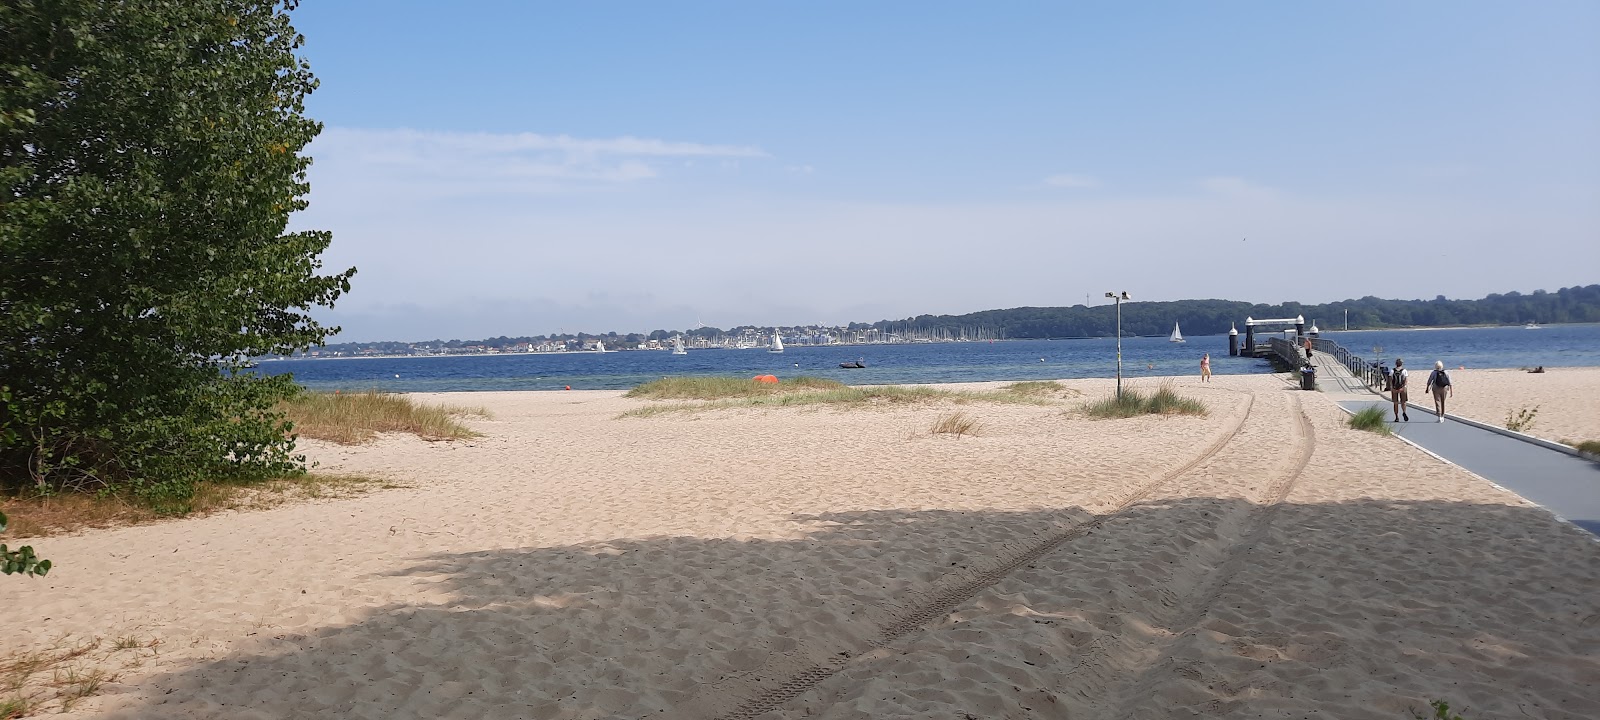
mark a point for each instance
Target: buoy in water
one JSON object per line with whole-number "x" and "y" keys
{"x": 1041, "y": 359}
{"x": 569, "y": 387}
{"x": 397, "y": 374}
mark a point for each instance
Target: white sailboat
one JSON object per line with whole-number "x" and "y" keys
{"x": 677, "y": 346}
{"x": 777, "y": 343}
{"x": 599, "y": 346}
{"x": 1176, "y": 335}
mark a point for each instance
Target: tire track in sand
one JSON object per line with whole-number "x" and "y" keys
{"x": 1187, "y": 623}
{"x": 954, "y": 589}
{"x": 1096, "y": 664}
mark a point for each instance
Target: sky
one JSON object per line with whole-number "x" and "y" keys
{"x": 515, "y": 168}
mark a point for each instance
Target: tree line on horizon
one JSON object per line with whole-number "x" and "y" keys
{"x": 1575, "y": 304}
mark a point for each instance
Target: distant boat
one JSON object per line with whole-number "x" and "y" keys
{"x": 777, "y": 343}
{"x": 677, "y": 347}
{"x": 858, "y": 364}
{"x": 1176, "y": 336}
{"x": 599, "y": 346}
{"x": 1532, "y": 326}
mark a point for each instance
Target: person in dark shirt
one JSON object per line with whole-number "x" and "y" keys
{"x": 1397, "y": 390}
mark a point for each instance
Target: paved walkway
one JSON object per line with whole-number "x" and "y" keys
{"x": 1567, "y": 485}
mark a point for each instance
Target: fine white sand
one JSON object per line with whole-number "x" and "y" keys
{"x": 1567, "y": 399}
{"x": 846, "y": 563}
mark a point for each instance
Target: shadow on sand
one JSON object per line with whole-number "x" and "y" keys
{"x": 1498, "y": 614}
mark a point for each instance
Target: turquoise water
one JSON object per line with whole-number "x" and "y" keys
{"x": 1552, "y": 346}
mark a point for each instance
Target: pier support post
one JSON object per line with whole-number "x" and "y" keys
{"x": 1249, "y": 337}
{"x": 1233, "y": 340}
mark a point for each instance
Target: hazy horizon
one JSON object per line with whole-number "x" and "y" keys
{"x": 546, "y": 167}
{"x": 646, "y": 331}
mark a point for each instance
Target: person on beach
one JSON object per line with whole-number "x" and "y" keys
{"x": 1397, "y": 390}
{"x": 1308, "y": 348}
{"x": 1439, "y": 385}
{"x": 1205, "y": 367}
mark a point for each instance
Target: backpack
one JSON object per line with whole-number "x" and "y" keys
{"x": 1441, "y": 379}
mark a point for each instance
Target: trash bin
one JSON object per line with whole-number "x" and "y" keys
{"x": 1308, "y": 377}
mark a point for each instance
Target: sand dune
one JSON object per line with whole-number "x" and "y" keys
{"x": 803, "y": 562}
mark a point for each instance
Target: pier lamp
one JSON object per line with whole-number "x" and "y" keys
{"x": 1118, "y": 298}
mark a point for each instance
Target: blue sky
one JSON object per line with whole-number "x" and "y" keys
{"x": 517, "y": 168}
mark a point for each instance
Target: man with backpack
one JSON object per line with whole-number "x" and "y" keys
{"x": 1439, "y": 384}
{"x": 1397, "y": 390}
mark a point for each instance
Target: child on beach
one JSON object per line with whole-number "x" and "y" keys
{"x": 1205, "y": 367}
{"x": 1439, "y": 385}
{"x": 1397, "y": 390}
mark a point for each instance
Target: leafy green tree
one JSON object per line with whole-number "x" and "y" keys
{"x": 149, "y": 162}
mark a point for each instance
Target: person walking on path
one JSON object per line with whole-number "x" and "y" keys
{"x": 1308, "y": 348}
{"x": 1205, "y": 367}
{"x": 1397, "y": 390}
{"x": 1439, "y": 385}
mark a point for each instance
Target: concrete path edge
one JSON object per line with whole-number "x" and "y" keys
{"x": 1493, "y": 484}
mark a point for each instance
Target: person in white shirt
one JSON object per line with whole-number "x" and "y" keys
{"x": 1439, "y": 385}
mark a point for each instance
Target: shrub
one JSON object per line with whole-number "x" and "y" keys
{"x": 1521, "y": 419}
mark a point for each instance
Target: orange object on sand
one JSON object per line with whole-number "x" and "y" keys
{"x": 569, "y": 387}
{"x": 770, "y": 379}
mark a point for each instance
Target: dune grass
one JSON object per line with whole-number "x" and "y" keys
{"x": 355, "y": 418}
{"x": 1034, "y": 387}
{"x": 1134, "y": 401}
{"x": 723, "y": 388}
{"x": 956, "y": 424}
{"x": 729, "y": 393}
{"x": 33, "y": 516}
{"x": 1588, "y": 446}
{"x": 1371, "y": 419}
{"x": 55, "y": 677}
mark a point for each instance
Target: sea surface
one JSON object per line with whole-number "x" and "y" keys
{"x": 1507, "y": 347}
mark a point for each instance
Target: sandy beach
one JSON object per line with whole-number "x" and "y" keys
{"x": 1567, "y": 400}
{"x": 1264, "y": 560}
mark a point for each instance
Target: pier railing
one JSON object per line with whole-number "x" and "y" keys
{"x": 1286, "y": 351}
{"x": 1359, "y": 367}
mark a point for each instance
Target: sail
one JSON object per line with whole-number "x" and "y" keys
{"x": 599, "y": 346}
{"x": 677, "y": 347}
{"x": 777, "y": 343}
{"x": 1177, "y": 336}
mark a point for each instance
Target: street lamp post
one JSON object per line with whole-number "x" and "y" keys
{"x": 1118, "y": 298}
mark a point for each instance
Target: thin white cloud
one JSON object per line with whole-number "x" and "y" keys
{"x": 1068, "y": 180}
{"x": 453, "y": 163}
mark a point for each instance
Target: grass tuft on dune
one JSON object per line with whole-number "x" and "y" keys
{"x": 1370, "y": 419}
{"x": 1133, "y": 402}
{"x": 355, "y": 418}
{"x": 722, "y": 388}
{"x": 722, "y": 393}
